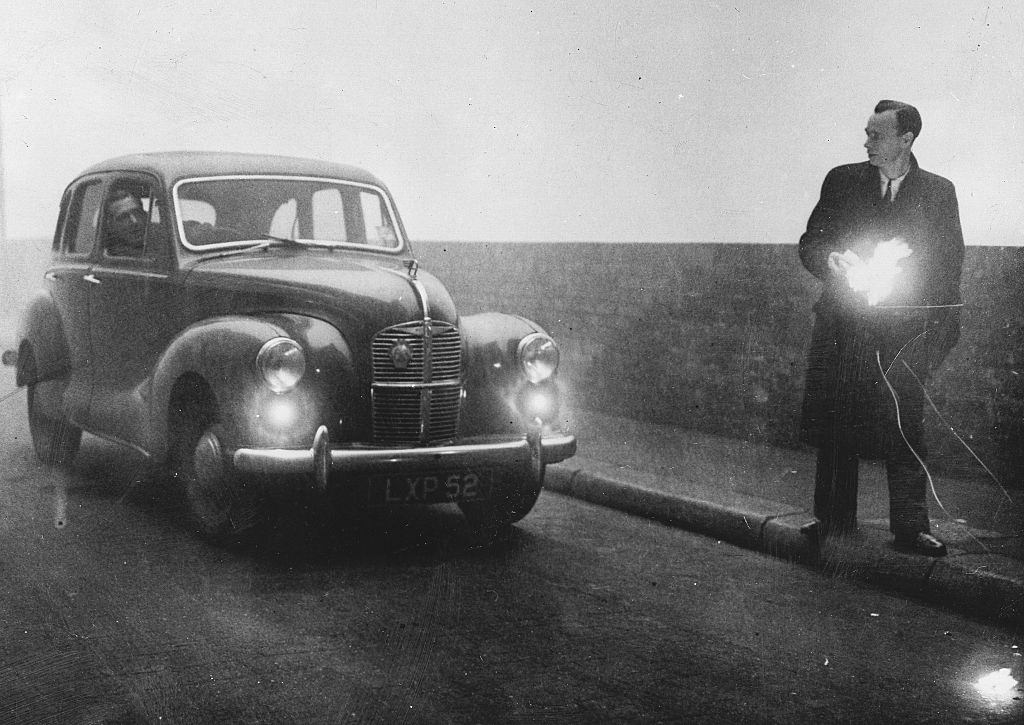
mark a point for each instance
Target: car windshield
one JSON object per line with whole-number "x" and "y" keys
{"x": 235, "y": 211}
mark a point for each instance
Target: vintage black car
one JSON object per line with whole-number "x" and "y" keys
{"x": 258, "y": 325}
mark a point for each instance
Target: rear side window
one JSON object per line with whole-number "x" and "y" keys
{"x": 83, "y": 217}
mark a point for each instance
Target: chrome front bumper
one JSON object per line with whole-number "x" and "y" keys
{"x": 322, "y": 460}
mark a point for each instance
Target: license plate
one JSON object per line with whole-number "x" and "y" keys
{"x": 430, "y": 488}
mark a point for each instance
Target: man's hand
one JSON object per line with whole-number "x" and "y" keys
{"x": 876, "y": 276}
{"x": 842, "y": 263}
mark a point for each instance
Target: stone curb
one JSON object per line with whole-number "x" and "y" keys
{"x": 966, "y": 584}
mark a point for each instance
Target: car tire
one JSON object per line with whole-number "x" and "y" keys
{"x": 490, "y": 518}
{"x": 55, "y": 439}
{"x": 219, "y": 507}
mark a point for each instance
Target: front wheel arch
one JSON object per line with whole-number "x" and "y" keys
{"x": 191, "y": 404}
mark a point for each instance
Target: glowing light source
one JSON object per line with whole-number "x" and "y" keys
{"x": 281, "y": 413}
{"x": 998, "y": 685}
{"x": 538, "y": 404}
{"x": 876, "y": 277}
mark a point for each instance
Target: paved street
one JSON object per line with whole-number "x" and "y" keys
{"x": 113, "y": 613}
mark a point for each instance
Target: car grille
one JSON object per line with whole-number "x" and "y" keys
{"x": 417, "y": 384}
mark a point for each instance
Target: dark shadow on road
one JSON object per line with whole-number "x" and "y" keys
{"x": 303, "y": 528}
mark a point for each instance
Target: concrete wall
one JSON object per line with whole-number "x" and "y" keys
{"x": 714, "y": 336}
{"x": 708, "y": 336}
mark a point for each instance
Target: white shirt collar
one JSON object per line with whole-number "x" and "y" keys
{"x": 884, "y": 180}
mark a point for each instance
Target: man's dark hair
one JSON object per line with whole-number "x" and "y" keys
{"x": 118, "y": 195}
{"x": 907, "y": 117}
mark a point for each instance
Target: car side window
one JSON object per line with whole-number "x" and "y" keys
{"x": 200, "y": 212}
{"x": 83, "y": 218}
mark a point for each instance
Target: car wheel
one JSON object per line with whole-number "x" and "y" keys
{"x": 219, "y": 506}
{"x": 54, "y": 438}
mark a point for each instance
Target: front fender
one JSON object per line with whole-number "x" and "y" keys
{"x": 221, "y": 352}
{"x": 332, "y": 392}
{"x": 494, "y": 382}
{"x": 42, "y": 331}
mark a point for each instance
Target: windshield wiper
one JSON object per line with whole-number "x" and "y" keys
{"x": 257, "y": 247}
{"x": 284, "y": 240}
{"x": 270, "y": 240}
{"x": 299, "y": 243}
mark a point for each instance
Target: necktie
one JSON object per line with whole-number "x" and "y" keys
{"x": 888, "y": 191}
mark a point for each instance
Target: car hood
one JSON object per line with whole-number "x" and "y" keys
{"x": 359, "y": 295}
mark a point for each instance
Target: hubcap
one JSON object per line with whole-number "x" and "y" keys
{"x": 208, "y": 459}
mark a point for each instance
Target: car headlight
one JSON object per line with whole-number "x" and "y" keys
{"x": 282, "y": 363}
{"x": 538, "y": 356}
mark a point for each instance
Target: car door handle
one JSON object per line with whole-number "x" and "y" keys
{"x": 51, "y": 276}
{"x": 91, "y": 279}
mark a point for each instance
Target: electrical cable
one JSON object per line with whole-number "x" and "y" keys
{"x": 899, "y": 424}
{"x": 931, "y": 403}
{"x": 956, "y": 435}
{"x": 918, "y": 307}
{"x": 7, "y": 396}
{"x": 928, "y": 474}
{"x": 900, "y": 351}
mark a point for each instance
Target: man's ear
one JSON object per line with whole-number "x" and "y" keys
{"x": 907, "y": 138}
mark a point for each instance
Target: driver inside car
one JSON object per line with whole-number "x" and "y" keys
{"x": 125, "y": 225}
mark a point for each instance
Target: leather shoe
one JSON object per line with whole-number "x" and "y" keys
{"x": 922, "y": 543}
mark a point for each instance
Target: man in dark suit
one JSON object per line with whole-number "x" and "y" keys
{"x": 885, "y": 241}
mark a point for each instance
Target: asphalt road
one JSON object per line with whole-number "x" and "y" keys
{"x": 112, "y": 612}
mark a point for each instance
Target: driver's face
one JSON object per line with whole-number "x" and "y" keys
{"x": 127, "y": 218}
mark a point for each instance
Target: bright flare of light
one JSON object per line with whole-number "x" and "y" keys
{"x": 282, "y": 413}
{"x": 876, "y": 276}
{"x": 538, "y": 405}
{"x": 998, "y": 685}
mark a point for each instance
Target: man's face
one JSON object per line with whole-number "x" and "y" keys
{"x": 127, "y": 220}
{"x": 885, "y": 145}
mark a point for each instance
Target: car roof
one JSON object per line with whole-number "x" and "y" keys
{"x": 174, "y": 165}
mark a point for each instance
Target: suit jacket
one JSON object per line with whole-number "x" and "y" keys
{"x": 853, "y": 343}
